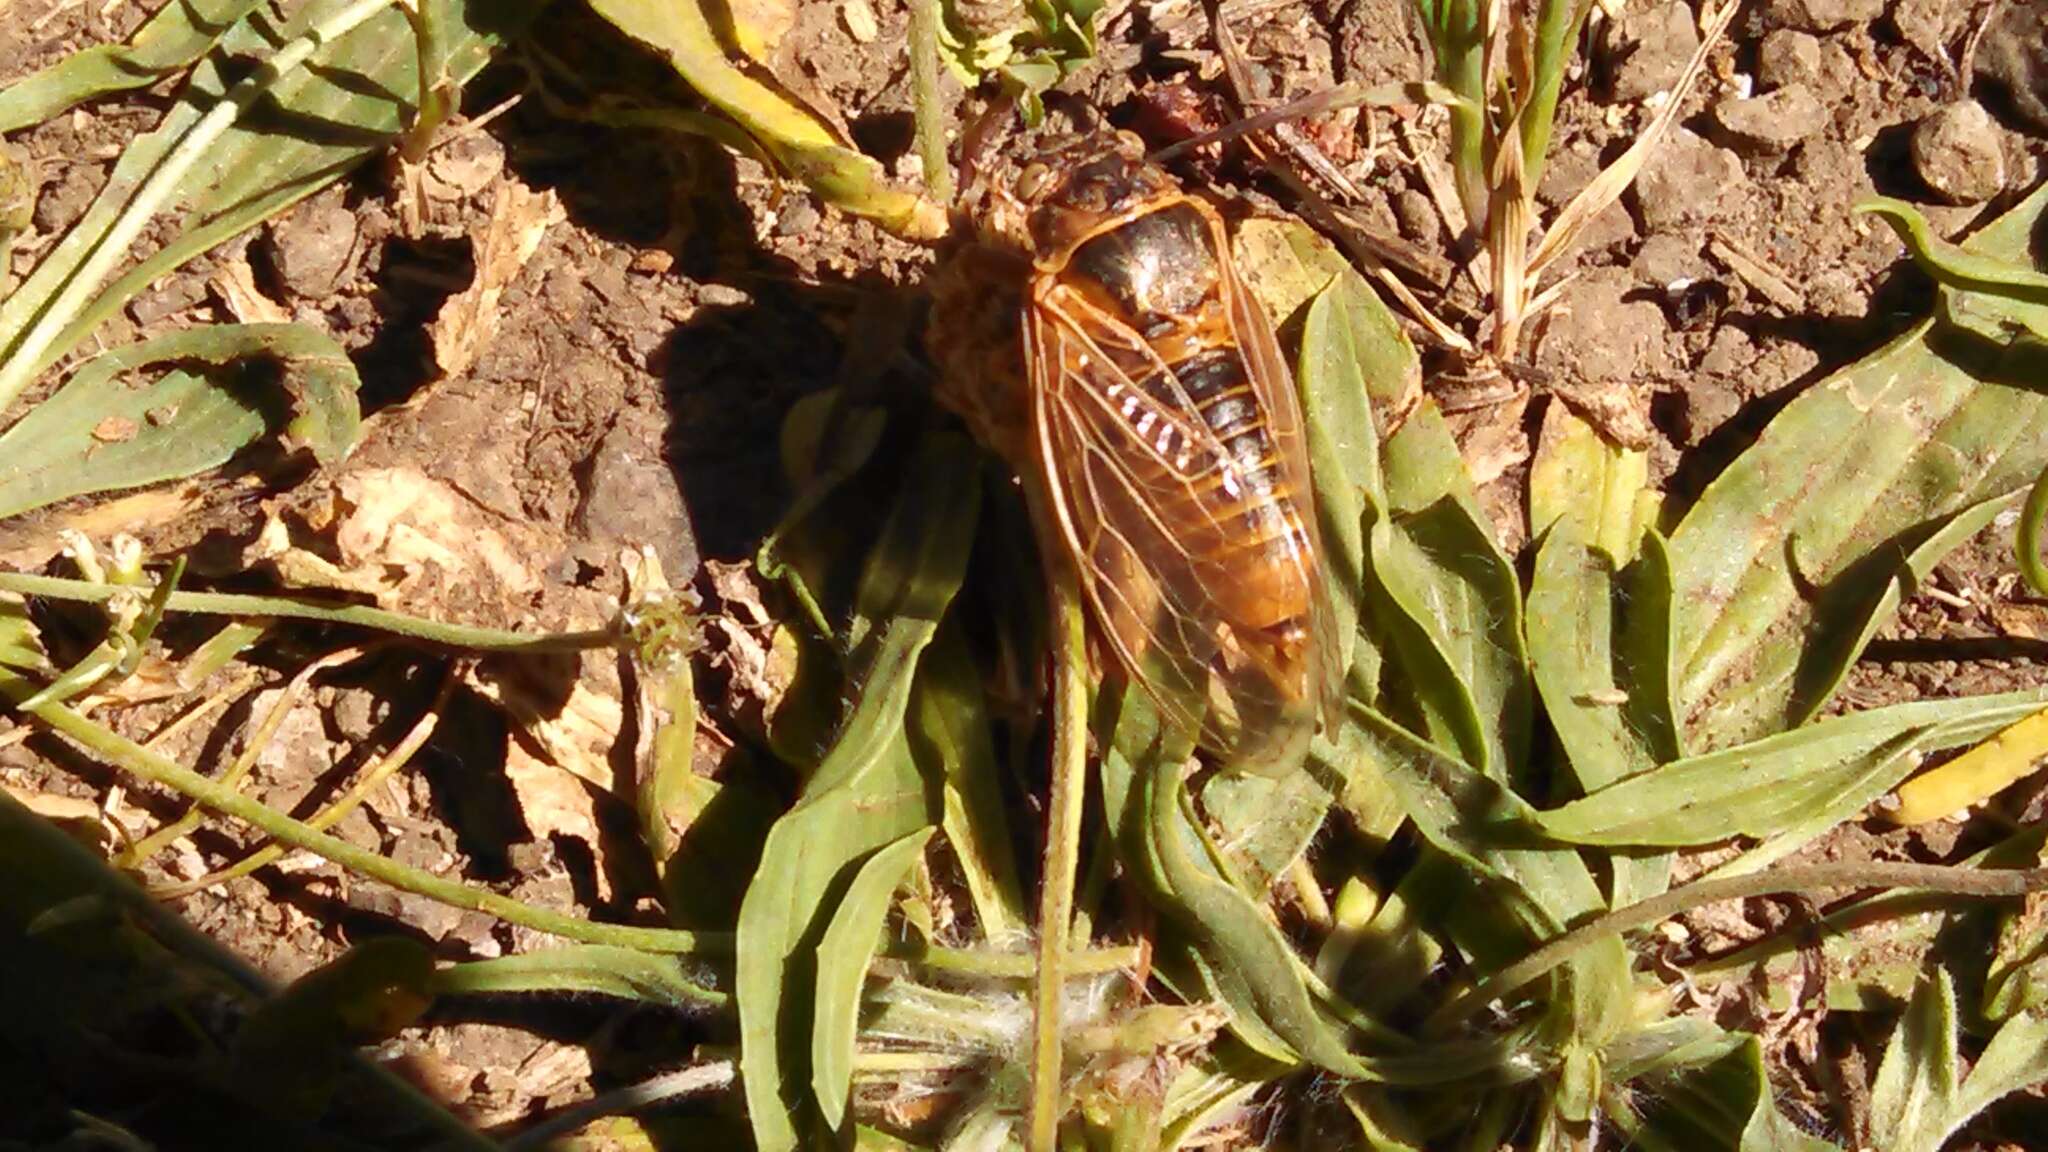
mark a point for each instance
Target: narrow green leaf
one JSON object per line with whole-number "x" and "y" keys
{"x": 598, "y": 969}
{"x": 1767, "y": 786}
{"x": 1782, "y": 564}
{"x": 1913, "y": 1098}
{"x": 950, "y": 735}
{"x": 101, "y": 432}
{"x": 801, "y": 144}
{"x": 1727, "y": 1102}
{"x": 1586, "y": 620}
{"x": 1449, "y": 602}
{"x": 1470, "y": 818}
{"x": 866, "y": 792}
{"x": 844, "y": 954}
{"x": 312, "y": 126}
{"x": 2016, "y": 1059}
{"x": 176, "y": 36}
{"x": 1235, "y": 932}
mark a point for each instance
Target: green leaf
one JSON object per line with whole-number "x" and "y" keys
{"x": 1914, "y": 1094}
{"x": 1448, "y": 600}
{"x": 177, "y": 35}
{"x": 598, "y": 969}
{"x": 1792, "y": 555}
{"x": 311, "y": 127}
{"x": 866, "y": 792}
{"x": 101, "y": 432}
{"x": 799, "y": 142}
{"x": 1782, "y": 781}
{"x": 844, "y": 954}
{"x": 951, "y": 736}
{"x": 1599, "y": 638}
{"x": 1915, "y": 1102}
{"x": 1726, "y": 1102}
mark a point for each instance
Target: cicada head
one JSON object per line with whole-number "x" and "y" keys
{"x": 1084, "y": 186}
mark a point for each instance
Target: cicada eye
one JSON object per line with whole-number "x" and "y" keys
{"x": 1034, "y": 180}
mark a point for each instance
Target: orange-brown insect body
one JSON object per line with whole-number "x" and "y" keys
{"x": 1166, "y": 426}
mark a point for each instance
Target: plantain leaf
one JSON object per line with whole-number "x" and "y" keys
{"x": 802, "y": 145}
{"x": 866, "y": 792}
{"x": 177, "y": 35}
{"x": 1599, "y": 636}
{"x": 950, "y": 734}
{"x": 1447, "y": 599}
{"x": 844, "y": 954}
{"x": 601, "y": 969}
{"x": 1791, "y": 557}
{"x": 1916, "y": 1103}
{"x": 1914, "y": 1094}
{"x": 1472, "y": 820}
{"x": 1782, "y": 781}
{"x": 311, "y": 127}
{"x": 1722, "y": 1102}
{"x": 101, "y": 432}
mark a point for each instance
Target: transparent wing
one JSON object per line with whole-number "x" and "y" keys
{"x": 1157, "y": 528}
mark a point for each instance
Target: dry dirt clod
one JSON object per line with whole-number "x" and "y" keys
{"x": 1788, "y": 57}
{"x": 1957, "y": 154}
{"x": 2013, "y": 55}
{"x": 1665, "y": 37}
{"x": 310, "y": 249}
{"x": 1685, "y": 182}
{"x": 630, "y": 496}
{"x": 1773, "y": 123}
{"x": 1821, "y": 15}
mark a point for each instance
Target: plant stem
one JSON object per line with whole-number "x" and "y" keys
{"x": 1016, "y": 965}
{"x": 232, "y": 604}
{"x": 924, "y": 96}
{"x": 349, "y": 801}
{"x": 1962, "y": 881}
{"x": 134, "y": 758}
{"x": 28, "y": 357}
{"x": 258, "y": 741}
{"x": 1062, "y": 849}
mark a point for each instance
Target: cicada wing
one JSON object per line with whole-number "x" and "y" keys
{"x": 1113, "y": 543}
{"x": 1276, "y": 390}
{"x": 1134, "y": 476}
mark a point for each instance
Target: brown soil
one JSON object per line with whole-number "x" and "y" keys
{"x": 644, "y": 356}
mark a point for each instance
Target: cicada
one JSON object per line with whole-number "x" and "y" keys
{"x": 1156, "y": 412}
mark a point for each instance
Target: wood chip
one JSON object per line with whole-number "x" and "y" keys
{"x": 860, "y": 21}
{"x": 1758, "y": 273}
{"x": 520, "y": 217}
{"x": 234, "y": 282}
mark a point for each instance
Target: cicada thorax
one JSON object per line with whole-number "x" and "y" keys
{"x": 1156, "y": 408}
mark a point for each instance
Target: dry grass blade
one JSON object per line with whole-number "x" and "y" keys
{"x": 1614, "y": 179}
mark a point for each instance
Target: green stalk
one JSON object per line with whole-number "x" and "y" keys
{"x": 349, "y": 801}
{"x": 1457, "y": 40}
{"x": 35, "y": 349}
{"x": 1062, "y": 850}
{"x": 924, "y": 95}
{"x": 1557, "y": 30}
{"x": 1961, "y": 881}
{"x": 148, "y": 765}
{"x": 412, "y": 627}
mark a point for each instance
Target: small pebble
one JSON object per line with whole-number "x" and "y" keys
{"x": 310, "y": 249}
{"x": 1957, "y": 154}
{"x": 1685, "y": 182}
{"x": 1774, "y": 122}
{"x": 1665, "y": 38}
{"x": 1822, "y": 15}
{"x": 1788, "y": 57}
